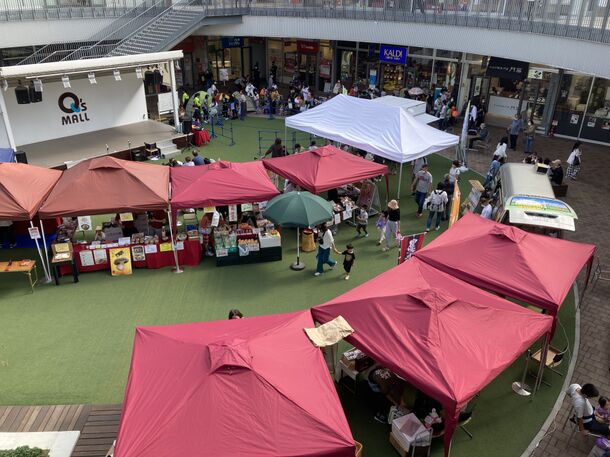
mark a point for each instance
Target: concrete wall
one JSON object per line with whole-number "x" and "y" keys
{"x": 107, "y": 104}
{"x": 566, "y": 53}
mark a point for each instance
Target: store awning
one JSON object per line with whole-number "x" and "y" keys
{"x": 244, "y": 387}
{"x": 107, "y": 185}
{"x": 445, "y": 337}
{"x": 387, "y": 131}
{"x": 220, "y": 183}
{"x": 536, "y": 269}
{"x": 324, "y": 168}
{"x": 23, "y": 189}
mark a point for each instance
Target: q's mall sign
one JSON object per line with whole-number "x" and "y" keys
{"x": 393, "y": 54}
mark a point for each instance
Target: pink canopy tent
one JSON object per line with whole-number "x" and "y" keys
{"x": 324, "y": 168}
{"x": 220, "y": 183}
{"x": 447, "y": 338}
{"x": 534, "y": 268}
{"x": 254, "y": 386}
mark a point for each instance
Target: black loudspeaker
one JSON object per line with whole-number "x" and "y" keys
{"x": 187, "y": 127}
{"x": 21, "y": 157}
{"x": 23, "y": 95}
{"x": 35, "y": 97}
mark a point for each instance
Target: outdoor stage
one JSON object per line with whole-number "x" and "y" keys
{"x": 55, "y": 153}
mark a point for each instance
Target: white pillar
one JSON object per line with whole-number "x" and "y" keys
{"x": 6, "y": 122}
{"x": 174, "y": 90}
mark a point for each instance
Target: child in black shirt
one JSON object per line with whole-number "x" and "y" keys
{"x": 348, "y": 259}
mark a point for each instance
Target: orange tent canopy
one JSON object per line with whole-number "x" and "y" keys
{"x": 23, "y": 188}
{"x": 106, "y": 185}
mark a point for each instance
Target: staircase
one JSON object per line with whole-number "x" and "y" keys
{"x": 166, "y": 30}
{"x": 167, "y": 148}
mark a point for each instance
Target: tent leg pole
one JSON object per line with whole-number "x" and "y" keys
{"x": 44, "y": 244}
{"x": 42, "y": 259}
{"x": 298, "y": 266}
{"x": 399, "y": 182}
{"x": 543, "y": 354}
{"x": 171, "y": 234}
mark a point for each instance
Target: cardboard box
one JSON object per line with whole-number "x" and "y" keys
{"x": 396, "y": 445}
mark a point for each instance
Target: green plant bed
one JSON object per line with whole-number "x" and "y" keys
{"x": 25, "y": 451}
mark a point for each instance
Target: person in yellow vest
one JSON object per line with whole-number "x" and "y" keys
{"x": 185, "y": 98}
{"x": 197, "y": 101}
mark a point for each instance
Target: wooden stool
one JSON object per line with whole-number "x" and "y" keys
{"x": 307, "y": 242}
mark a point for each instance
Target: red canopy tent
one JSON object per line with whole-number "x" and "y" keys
{"x": 254, "y": 386}
{"x": 220, "y": 183}
{"x": 534, "y": 268}
{"x": 106, "y": 185}
{"x": 24, "y": 188}
{"x": 447, "y": 338}
{"x": 324, "y": 168}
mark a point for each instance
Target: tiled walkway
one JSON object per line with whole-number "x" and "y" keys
{"x": 587, "y": 196}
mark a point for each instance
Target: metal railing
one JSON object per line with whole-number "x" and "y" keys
{"x": 579, "y": 19}
{"x": 32, "y": 10}
{"x": 118, "y": 29}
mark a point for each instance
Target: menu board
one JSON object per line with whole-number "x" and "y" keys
{"x": 86, "y": 258}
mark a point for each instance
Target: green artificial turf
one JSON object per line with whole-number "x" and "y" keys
{"x": 72, "y": 344}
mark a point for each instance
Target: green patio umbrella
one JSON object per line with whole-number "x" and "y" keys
{"x": 300, "y": 210}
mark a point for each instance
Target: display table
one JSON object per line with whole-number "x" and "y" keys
{"x": 190, "y": 255}
{"x": 263, "y": 255}
{"x": 200, "y": 137}
{"x": 21, "y": 266}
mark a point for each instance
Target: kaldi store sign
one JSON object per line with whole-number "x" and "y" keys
{"x": 393, "y": 54}
{"x": 307, "y": 47}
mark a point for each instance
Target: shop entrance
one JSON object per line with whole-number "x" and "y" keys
{"x": 307, "y": 69}
{"x": 392, "y": 77}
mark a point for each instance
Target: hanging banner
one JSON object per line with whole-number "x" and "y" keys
{"x": 307, "y": 47}
{"x": 409, "y": 245}
{"x": 232, "y": 213}
{"x": 34, "y": 233}
{"x": 84, "y": 223}
{"x": 455, "y": 205}
{"x": 120, "y": 261}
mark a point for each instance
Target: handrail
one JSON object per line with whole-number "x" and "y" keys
{"x": 18, "y": 10}
{"x": 52, "y": 51}
{"x": 87, "y": 51}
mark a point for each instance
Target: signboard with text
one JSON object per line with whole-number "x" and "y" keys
{"x": 507, "y": 68}
{"x": 393, "y": 54}
{"x": 232, "y": 42}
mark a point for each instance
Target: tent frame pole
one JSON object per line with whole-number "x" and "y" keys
{"x": 543, "y": 355}
{"x": 42, "y": 259}
{"x": 171, "y": 234}
{"x": 399, "y": 182}
{"x": 44, "y": 244}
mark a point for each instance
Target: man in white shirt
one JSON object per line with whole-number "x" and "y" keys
{"x": 7, "y": 234}
{"x": 326, "y": 242}
{"x": 472, "y": 119}
{"x": 584, "y": 410}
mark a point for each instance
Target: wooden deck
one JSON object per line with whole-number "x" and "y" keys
{"x": 98, "y": 424}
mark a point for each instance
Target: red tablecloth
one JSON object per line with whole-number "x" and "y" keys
{"x": 200, "y": 137}
{"x": 190, "y": 255}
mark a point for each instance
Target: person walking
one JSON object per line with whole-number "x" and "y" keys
{"x": 530, "y": 132}
{"x": 348, "y": 259}
{"x": 438, "y": 202}
{"x": 392, "y": 226}
{"x": 496, "y": 163}
{"x": 362, "y": 220}
{"x": 422, "y": 186}
{"x": 574, "y": 161}
{"x": 501, "y": 148}
{"x": 326, "y": 242}
{"x": 515, "y": 127}
{"x": 243, "y": 106}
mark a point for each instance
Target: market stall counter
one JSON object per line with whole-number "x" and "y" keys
{"x": 95, "y": 256}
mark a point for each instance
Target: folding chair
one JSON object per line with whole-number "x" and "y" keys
{"x": 554, "y": 357}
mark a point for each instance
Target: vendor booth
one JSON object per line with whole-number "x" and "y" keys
{"x": 255, "y": 386}
{"x": 23, "y": 189}
{"x": 139, "y": 196}
{"x": 232, "y": 226}
{"x": 537, "y": 269}
{"x": 386, "y": 131}
{"x": 446, "y": 338}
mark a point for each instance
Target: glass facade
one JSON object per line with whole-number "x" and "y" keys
{"x": 571, "y": 104}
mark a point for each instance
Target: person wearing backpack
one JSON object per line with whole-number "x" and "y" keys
{"x": 438, "y": 200}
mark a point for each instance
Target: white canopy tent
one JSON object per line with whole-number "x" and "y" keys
{"x": 387, "y": 131}
{"x": 416, "y": 108}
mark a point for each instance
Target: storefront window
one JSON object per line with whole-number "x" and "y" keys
{"x": 413, "y": 50}
{"x": 325, "y": 69}
{"x": 392, "y": 78}
{"x": 346, "y": 66}
{"x": 445, "y": 74}
{"x": 368, "y": 59}
{"x": 290, "y": 62}
{"x": 275, "y": 49}
{"x": 448, "y": 54}
{"x": 597, "y": 120}
{"x": 419, "y": 72}
{"x": 571, "y": 104}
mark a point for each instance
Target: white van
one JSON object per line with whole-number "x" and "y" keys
{"x": 526, "y": 199}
